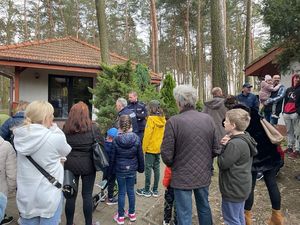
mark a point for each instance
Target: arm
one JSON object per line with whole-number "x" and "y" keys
{"x": 168, "y": 145}
{"x": 147, "y": 134}
{"x": 229, "y": 156}
{"x": 280, "y": 95}
{"x": 167, "y": 177}
{"x": 112, "y": 159}
{"x": 60, "y": 141}
{"x": 11, "y": 169}
{"x": 143, "y": 113}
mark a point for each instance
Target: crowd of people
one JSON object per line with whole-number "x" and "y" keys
{"x": 228, "y": 129}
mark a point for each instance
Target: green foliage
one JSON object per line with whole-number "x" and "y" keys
{"x": 199, "y": 105}
{"x": 168, "y": 100}
{"x": 283, "y": 18}
{"x": 113, "y": 82}
{"x": 142, "y": 76}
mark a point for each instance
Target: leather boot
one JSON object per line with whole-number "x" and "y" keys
{"x": 276, "y": 218}
{"x": 248, "y": 217}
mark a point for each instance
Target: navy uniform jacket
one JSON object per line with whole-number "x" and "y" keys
{"x": 139, "y": 108}
{"x": 126, "y": 111}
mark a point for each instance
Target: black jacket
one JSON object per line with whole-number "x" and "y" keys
{"x": 132, "y": 115}
{"x": 141, "y": 113}
{"x": 80, "y": 159}
{"x": 126, "y": 155}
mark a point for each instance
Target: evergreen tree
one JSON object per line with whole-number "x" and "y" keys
{"x": 168, "y": 100}
{"x": 113, "y": 83}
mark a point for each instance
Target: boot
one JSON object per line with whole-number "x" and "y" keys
{"x": 248, "y": 217}
{"x": 276, "y": 218}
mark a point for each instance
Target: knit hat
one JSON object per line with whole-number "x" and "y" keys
{"x": 112, "y": 132}
{"x": 268, "y": 77}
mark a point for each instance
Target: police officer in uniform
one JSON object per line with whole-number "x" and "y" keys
{"x": 139, "y": 108}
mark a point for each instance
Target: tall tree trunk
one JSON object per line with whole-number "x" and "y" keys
{"x": 103, "y": 36}
{"x": 50, "y": 18}
{"x": 200, "y": 63}
{"x": 37, "y": 21}
{"x": 127, "y": 30}
{"x": 61, "y": 11}
{"x": 25, "y": 24}
{"x": 187, "y": 35}
{"x": 219, "y": 68}
{"x": 248, "y": 35}
{"x": 77, "y": 18}
{"x": 154, "y": 36}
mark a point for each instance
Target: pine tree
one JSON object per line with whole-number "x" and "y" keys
{"x": 113, "y": 83}
{"x": 169, "y": 103}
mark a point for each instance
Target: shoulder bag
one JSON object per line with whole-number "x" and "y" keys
{"x": 69, "y": 187}
{"x": 99, "y": 155}
{"x": 273, "y": 134}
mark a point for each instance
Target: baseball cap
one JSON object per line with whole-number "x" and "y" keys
{"x": 112, "y": 132}
{"x": 247, "y": 85}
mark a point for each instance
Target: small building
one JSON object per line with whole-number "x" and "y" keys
{"x": 266, "y": 64}
{"x": 57, "y": 70}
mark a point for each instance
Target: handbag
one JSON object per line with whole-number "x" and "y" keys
{"x": 69, "y": 187}
{"x": 273, "y": 134}
{"x": 99, "y": 155}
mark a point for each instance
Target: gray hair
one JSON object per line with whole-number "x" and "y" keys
{"x": 185, "y": 96}
{"x": 122, "y": 101}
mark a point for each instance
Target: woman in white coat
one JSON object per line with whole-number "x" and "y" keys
{"x": 39, "y": 202}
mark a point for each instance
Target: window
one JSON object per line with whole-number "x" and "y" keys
{"x": 65, "y": 91}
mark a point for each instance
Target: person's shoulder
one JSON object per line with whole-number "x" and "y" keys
{"x": 139, "y": 103}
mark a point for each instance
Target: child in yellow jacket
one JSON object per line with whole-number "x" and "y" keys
{"x": 153, "y": 135}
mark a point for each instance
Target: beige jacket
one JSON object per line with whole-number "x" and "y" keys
{"x": 8, "y": 167}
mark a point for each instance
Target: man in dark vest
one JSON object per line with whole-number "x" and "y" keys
{"x": 276, "y": 98}
{"x": 140, "y": 111}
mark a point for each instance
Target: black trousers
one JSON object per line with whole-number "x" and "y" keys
{"x": 168, "y": 206}
{"x": 271, "y": 183}
{"x": 87, "y": 199}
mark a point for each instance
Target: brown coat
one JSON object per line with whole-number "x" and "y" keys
{"x": 190, "y": 142}
{"x": 8, "y": 167}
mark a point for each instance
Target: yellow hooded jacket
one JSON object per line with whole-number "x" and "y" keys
{"x": 153, "y": 134}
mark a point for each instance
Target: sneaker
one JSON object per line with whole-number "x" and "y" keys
{"x": 132, "y": 217}
{"x": 19, "y": 221}
{"x": 259, "y": 176}
{"x": 165, "y": 223}
{"x": 7, "y": 220}
{"x": 112, "y": 201}
{"x": 274, "y": 116}
{"x": 119, "y": 219}
{"x": 142, "y": 192}
{"x": 155, "y": 194}
{"x": 288, "y": 150}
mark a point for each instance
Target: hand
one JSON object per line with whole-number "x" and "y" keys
{"x": 225, "y": 139}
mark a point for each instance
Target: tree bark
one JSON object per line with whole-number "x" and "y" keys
{"x": 219, "y": 67}
{"x": 200, "y": 63}
{"x": 25, "y": 20}
{"x": 154, "y": 36}
{"x": 248, "y": 35}
{"x": 37, "y": 22}
{"x": 103, "y": 38}
{"x": 50, "y": 18}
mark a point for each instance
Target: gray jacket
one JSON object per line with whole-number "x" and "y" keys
{"x": 235, "y": 164}
{"x": 189, "y": 144}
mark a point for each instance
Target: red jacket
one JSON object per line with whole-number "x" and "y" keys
{"x": 167, "y": 177}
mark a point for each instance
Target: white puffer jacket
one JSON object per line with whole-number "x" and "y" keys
{"x": 8, "y": 167}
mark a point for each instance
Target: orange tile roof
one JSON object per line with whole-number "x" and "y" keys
{"x": 66, "y": 51}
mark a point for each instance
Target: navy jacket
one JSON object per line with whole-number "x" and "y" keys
{"x": 139, "y": 108}
{"x": 6, "y": 128}
{"x": 250, "y": 100}
{"x": 126, "y": 111}
{"x": 126, "y": 155}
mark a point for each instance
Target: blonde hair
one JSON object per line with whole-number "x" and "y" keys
{"x": 239, "y": 117}
{"x": 22, "y": 106}
{"x": 216, "y": 92}
{"x": 124, "y": 123}
{"x": 38, "y": 112}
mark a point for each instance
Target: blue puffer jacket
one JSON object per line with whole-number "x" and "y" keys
{"x": 126, "y": 155}
{"x": 6, "y": 129}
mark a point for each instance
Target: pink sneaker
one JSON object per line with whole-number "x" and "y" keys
{"x": 132, "y": 217}
{"x": 119, "y": 219}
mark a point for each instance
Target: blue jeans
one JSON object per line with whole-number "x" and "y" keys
{"x": 183, "y": 202}
{"x": 54, "y": 220}
{"x": 233, "y": 212}
{"x": 126, "y": 184}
